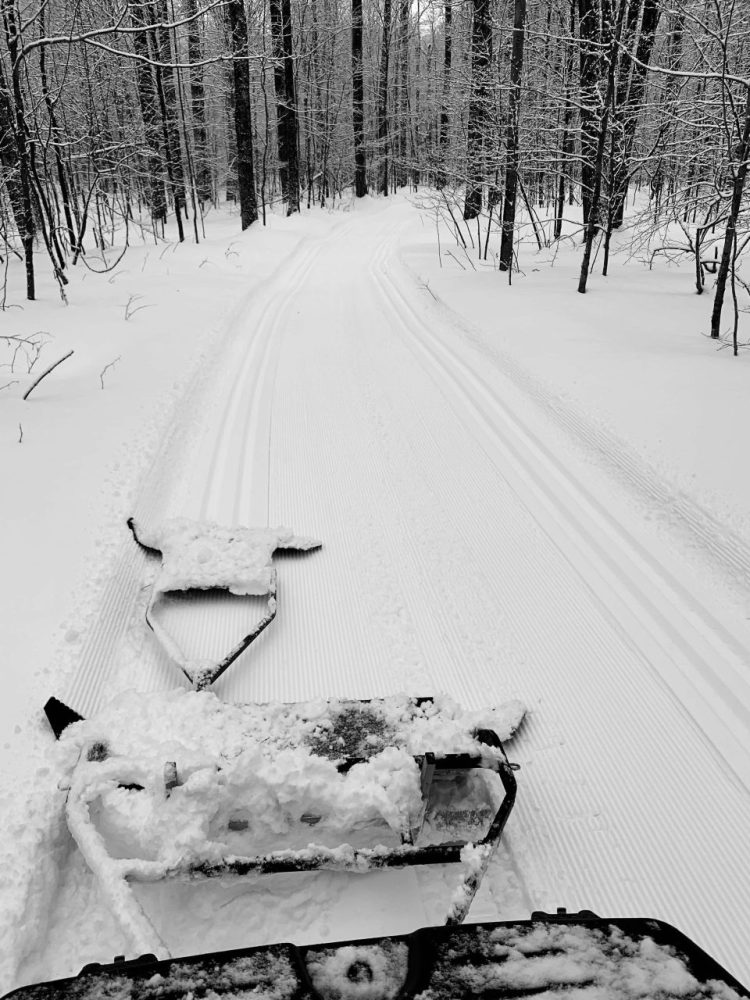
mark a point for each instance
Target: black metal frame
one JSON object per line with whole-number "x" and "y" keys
{"x": 208, "y": 678}
{"x": 422, "y": 944}
{"x": 400, "y": 857}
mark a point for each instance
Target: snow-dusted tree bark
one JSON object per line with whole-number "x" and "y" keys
{"x": 203, "y": 174}
{"x": 594, "y": 21}
{"x": 358, "y": 103}
{"x": 149, "y": 112}
{"x": 9, "y": 154}
{"x": 237, "y": 25}
{"x": 286, "y": 104}
{"x": 630, "y": 110}
{"x": 444, "y": 128}
{"x": 739, "y": 170}
{"x": 382, "y": 112}
{"x": 511, "y": 168}
{"x": 166, "y": 90}
{"x": 481, "y": 58}
{"x": 601, "y": 140}
{"x": 20, "y": 136}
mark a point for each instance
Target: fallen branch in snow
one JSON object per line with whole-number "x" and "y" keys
{"x": 13, "y": 381}
{"x": 20, "y": 434}
{"x": 104, "y": 369}
{"x": 45, "y": 373}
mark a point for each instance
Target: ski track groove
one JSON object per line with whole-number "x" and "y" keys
{"x": 405, "y": 554}
{"x": 409, "y": 322}
{"x": 651, "y": 584}
{"x": 182, "y": 470}
{"x": 716, "y": 542}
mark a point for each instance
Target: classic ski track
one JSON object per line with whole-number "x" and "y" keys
{"x": 233, "y": 466}
{"x": 701, "y": 908}
{"x": 713, "y": 542}
{"x": 697, "y": 641}
{"x": 119, "y": 653}
{"x": 575, "y": 840}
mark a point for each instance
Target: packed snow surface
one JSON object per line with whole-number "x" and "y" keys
{"x": 204, "y": 555}
{"x": 519, "y": 498}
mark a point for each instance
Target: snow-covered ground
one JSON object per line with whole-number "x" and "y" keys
{"x": 521, "y": 493}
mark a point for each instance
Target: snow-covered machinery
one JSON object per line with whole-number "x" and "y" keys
{"x": 561, "y": 956}
{"x": 200, "y": 556}
{"x": 184, "y": 785}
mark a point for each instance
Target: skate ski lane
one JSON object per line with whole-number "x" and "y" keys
{"x": 460, "y": 555}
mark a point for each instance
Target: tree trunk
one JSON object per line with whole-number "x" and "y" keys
{"x": 358, "y": 103}
{"x": 593, "y": 15}
{"x": 167, "y": 94}
{"x": 632, "y": 106}
{"x": 566, "y": 145}
{"x": 203, "y": 175}
{"x": 481, "y": 56}
{"x": 382, "y": 114}
{"x": 742, "y": 154}
{"x": 286, "y": 105}
{"x": 403, "y": 94}
{"x": 9, "y": 154}
{"x": 598, "y": 164}
{"x": 511, "y": 171}
{"x": 444, "y": 133}
{"x": 151, "y": 126}
{"x": 237, "y": 25}
{"x": 26, "y": 226}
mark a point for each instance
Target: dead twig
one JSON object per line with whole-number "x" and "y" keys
{"x": 130, "y": 310}
{"x": 106, "y": 367}
{"x": 45, "y": 373}
{"x": 20, "y": 433}
{"x": 9, "y": 384}
{"x": 28, "y": 347}
{"x": 456, "y": 259}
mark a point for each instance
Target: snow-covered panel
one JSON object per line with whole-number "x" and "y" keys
{"x": 202, "y": 555}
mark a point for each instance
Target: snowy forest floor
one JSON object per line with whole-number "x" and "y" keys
{"x": 522, "y": 492}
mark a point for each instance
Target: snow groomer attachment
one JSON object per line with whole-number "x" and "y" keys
{"x": 228, "y": 563}
{"x": 345, "y": 785}
{"x": 550, "y": 956}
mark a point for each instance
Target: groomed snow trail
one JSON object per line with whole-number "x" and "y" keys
{"x": 458, "y": 556}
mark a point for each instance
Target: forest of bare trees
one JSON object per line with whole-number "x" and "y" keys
{"x": 542, "y": 119}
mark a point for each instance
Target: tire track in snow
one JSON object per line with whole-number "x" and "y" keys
{"x": 551, "y": 851}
